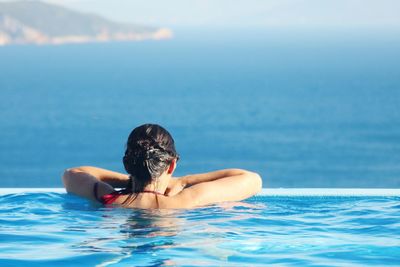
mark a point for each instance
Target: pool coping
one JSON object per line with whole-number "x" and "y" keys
{"x": 264, "y": 192}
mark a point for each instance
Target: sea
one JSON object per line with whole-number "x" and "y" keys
{"x": 303, "y": 108}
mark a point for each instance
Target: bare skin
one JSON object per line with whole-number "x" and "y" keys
{"x": 177, "y": 193}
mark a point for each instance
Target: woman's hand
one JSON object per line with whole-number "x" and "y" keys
{"x": 175, "y": 186}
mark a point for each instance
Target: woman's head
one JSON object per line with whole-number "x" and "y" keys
{"x": 149, "y": 152}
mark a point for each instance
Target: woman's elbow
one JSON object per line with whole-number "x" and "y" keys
{"x": 67, "y": 177}
{"x": 256, "y": 181}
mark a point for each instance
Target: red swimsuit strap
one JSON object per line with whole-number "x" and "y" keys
{"x": 109, "y": 198}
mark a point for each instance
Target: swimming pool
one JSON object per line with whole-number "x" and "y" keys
{"x": 297, "y": 227}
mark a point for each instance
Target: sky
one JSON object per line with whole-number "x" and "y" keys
{"x": 246, "y": 13}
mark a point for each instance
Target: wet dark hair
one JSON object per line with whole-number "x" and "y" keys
{"x": 149, "y": 152}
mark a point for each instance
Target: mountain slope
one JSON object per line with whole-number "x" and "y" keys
{"x": 41, "y": 23}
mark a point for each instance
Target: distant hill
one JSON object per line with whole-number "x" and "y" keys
{"x": 34, "y": 22}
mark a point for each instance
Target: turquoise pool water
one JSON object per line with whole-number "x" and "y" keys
{"x": 56, "y": 229}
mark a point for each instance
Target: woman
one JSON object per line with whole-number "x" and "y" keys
{"x": 150, "y": 160}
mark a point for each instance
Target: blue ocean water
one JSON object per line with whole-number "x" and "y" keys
{"x": 56, "y": 229}
{"x": 304, "y": 109}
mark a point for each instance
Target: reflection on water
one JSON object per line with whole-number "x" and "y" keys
{"x": 150, "y": 223}
{"x": 137, "y": 235}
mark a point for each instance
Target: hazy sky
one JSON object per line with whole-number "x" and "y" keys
{"x": 246, "y": 13}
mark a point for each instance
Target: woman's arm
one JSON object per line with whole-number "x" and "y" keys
{"x": 115, "y": 179}
{"x": 176, "y": 185}
{"x": 81, "y": 181}
{"x": 214, "y": 187}
{"x": 193, "y": 179}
